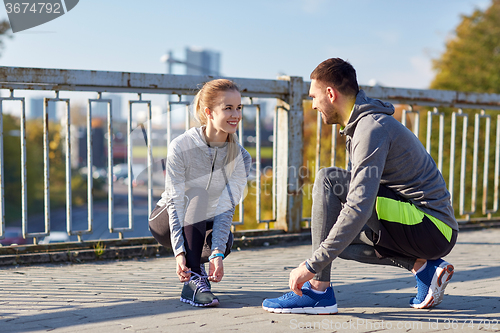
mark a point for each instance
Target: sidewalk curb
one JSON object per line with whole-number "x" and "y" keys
{"x": 146, "y": 247}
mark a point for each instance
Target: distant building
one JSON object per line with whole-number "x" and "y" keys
{"x": 36, "y": 109}
{"x": 202, "y": 62}
{"x": 100, "y": 109}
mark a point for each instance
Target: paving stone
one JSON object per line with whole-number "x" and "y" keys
{"x": 142, "y": 295}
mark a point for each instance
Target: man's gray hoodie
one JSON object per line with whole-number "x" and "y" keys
{"x": 382, "y": 151}
{"x": 192, "y": 163}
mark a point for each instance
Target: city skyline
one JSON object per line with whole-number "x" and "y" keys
{"x": 392, "y": 44}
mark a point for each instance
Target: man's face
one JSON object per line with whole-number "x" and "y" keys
{"x": 322, "y": 102}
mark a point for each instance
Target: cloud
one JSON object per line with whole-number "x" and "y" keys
{"x": 417, "y": 74}
{"x": 423, "y": 66}
{"x": 312, "y": 6}
{"x": 388, "y": 36}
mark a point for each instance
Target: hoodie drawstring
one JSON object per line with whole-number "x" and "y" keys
{"x": 212, "y": 168}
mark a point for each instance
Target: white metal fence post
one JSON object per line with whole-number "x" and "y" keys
{"x": 290, "y": 157}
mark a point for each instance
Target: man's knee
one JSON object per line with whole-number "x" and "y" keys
{"x": 334, "y": 179}
{"x": 324, "y": 175}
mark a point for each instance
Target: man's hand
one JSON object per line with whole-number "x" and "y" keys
{"x": 181, "y": 269}
{"x": 298, "y": 277}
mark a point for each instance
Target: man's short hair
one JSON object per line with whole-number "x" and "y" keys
{"x": 338, "y": 73}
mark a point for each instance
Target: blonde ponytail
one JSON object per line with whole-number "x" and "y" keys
{"x": 232, "y": 152}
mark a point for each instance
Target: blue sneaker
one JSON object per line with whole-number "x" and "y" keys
{"x": 431, "y": 283}
{"x": 310, "y": 302}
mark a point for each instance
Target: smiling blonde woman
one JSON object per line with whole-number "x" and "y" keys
{"x": 206, "y": 173}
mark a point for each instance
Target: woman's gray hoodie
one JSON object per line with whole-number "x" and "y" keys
{"x": 192, "y": 163}
{"x": 383, "y": 151}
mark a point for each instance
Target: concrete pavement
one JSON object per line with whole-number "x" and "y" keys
{"x": 143, "y": 295}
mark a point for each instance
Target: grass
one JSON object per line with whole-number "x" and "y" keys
{"x": 142, "y": 152}
{"x": 265, "y": 152}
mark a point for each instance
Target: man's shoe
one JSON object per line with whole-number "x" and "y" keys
{"x": 197, "y": 292}
{"x": 310, "y": 302}
{"x": 431, "y": 283}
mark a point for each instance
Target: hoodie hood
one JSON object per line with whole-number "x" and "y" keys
{"x": 196, "y": 134}
{"x": 198, "y": 137}
{"x": 364, "y": 106}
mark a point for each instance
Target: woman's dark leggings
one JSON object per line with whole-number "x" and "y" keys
{"x": 197, "y": 230}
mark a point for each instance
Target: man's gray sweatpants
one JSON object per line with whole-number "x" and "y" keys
{"x": 329, "y": 194}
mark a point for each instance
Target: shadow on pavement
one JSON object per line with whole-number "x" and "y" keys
{"x": 170, "y": 308}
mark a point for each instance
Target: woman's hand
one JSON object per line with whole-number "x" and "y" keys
{"x": 216, "y": 269}
{"x": 181, "y": 269}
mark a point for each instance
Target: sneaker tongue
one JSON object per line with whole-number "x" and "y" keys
{"x": 201, "y": 284}
{"x": 307, "y": 285}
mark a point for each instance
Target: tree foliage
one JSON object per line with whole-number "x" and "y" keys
{"x": 471, "y": 61}
{"x": 4, "y": 29}
{"x": 35, "y": 169}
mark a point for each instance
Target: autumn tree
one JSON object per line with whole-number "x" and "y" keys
{"x": 471, "y": 61}
{"x": 4, "y": 29}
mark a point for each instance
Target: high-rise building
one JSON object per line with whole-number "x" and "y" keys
{"x": 36, "y": 109}
{"x": 202, "y": 62}
{"x": 100, "y": 109}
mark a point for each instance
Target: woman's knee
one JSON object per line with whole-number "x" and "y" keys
{"x": 159, "y": 225}
{"x": 196, "y": 192}
{"x": 196, "y": 206}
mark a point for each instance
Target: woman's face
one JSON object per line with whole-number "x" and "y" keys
{"x": 226, "y": 113}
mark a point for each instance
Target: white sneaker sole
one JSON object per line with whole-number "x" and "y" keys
{"x": 440, "y": 281}
{"x": 307, "y": 310}
{"x": 438, "y": 284}
{"x": 215, "y": 302}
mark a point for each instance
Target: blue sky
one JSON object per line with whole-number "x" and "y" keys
{"x": 390, "y": 41}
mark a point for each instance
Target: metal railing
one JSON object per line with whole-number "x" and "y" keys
{"x": 19, "y": 81}
{"x": 431, "y": 104}
{"x": 287, "y": 146}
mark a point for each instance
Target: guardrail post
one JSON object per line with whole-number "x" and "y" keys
{"x": 290, "y": 157}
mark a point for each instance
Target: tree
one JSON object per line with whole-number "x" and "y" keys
{"x": 471, "y": 61}
{"x": 34, "y": 169}
{"x": 4, "y": 28}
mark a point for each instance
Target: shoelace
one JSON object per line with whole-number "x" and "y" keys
{"x": 287, "y": 295}
{"x": 204, "y": 273}
{"x": 200, "y": 281}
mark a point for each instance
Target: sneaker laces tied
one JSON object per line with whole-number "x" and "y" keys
{"x": 204, "y": 274}
{"x": 200, "y": 281}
